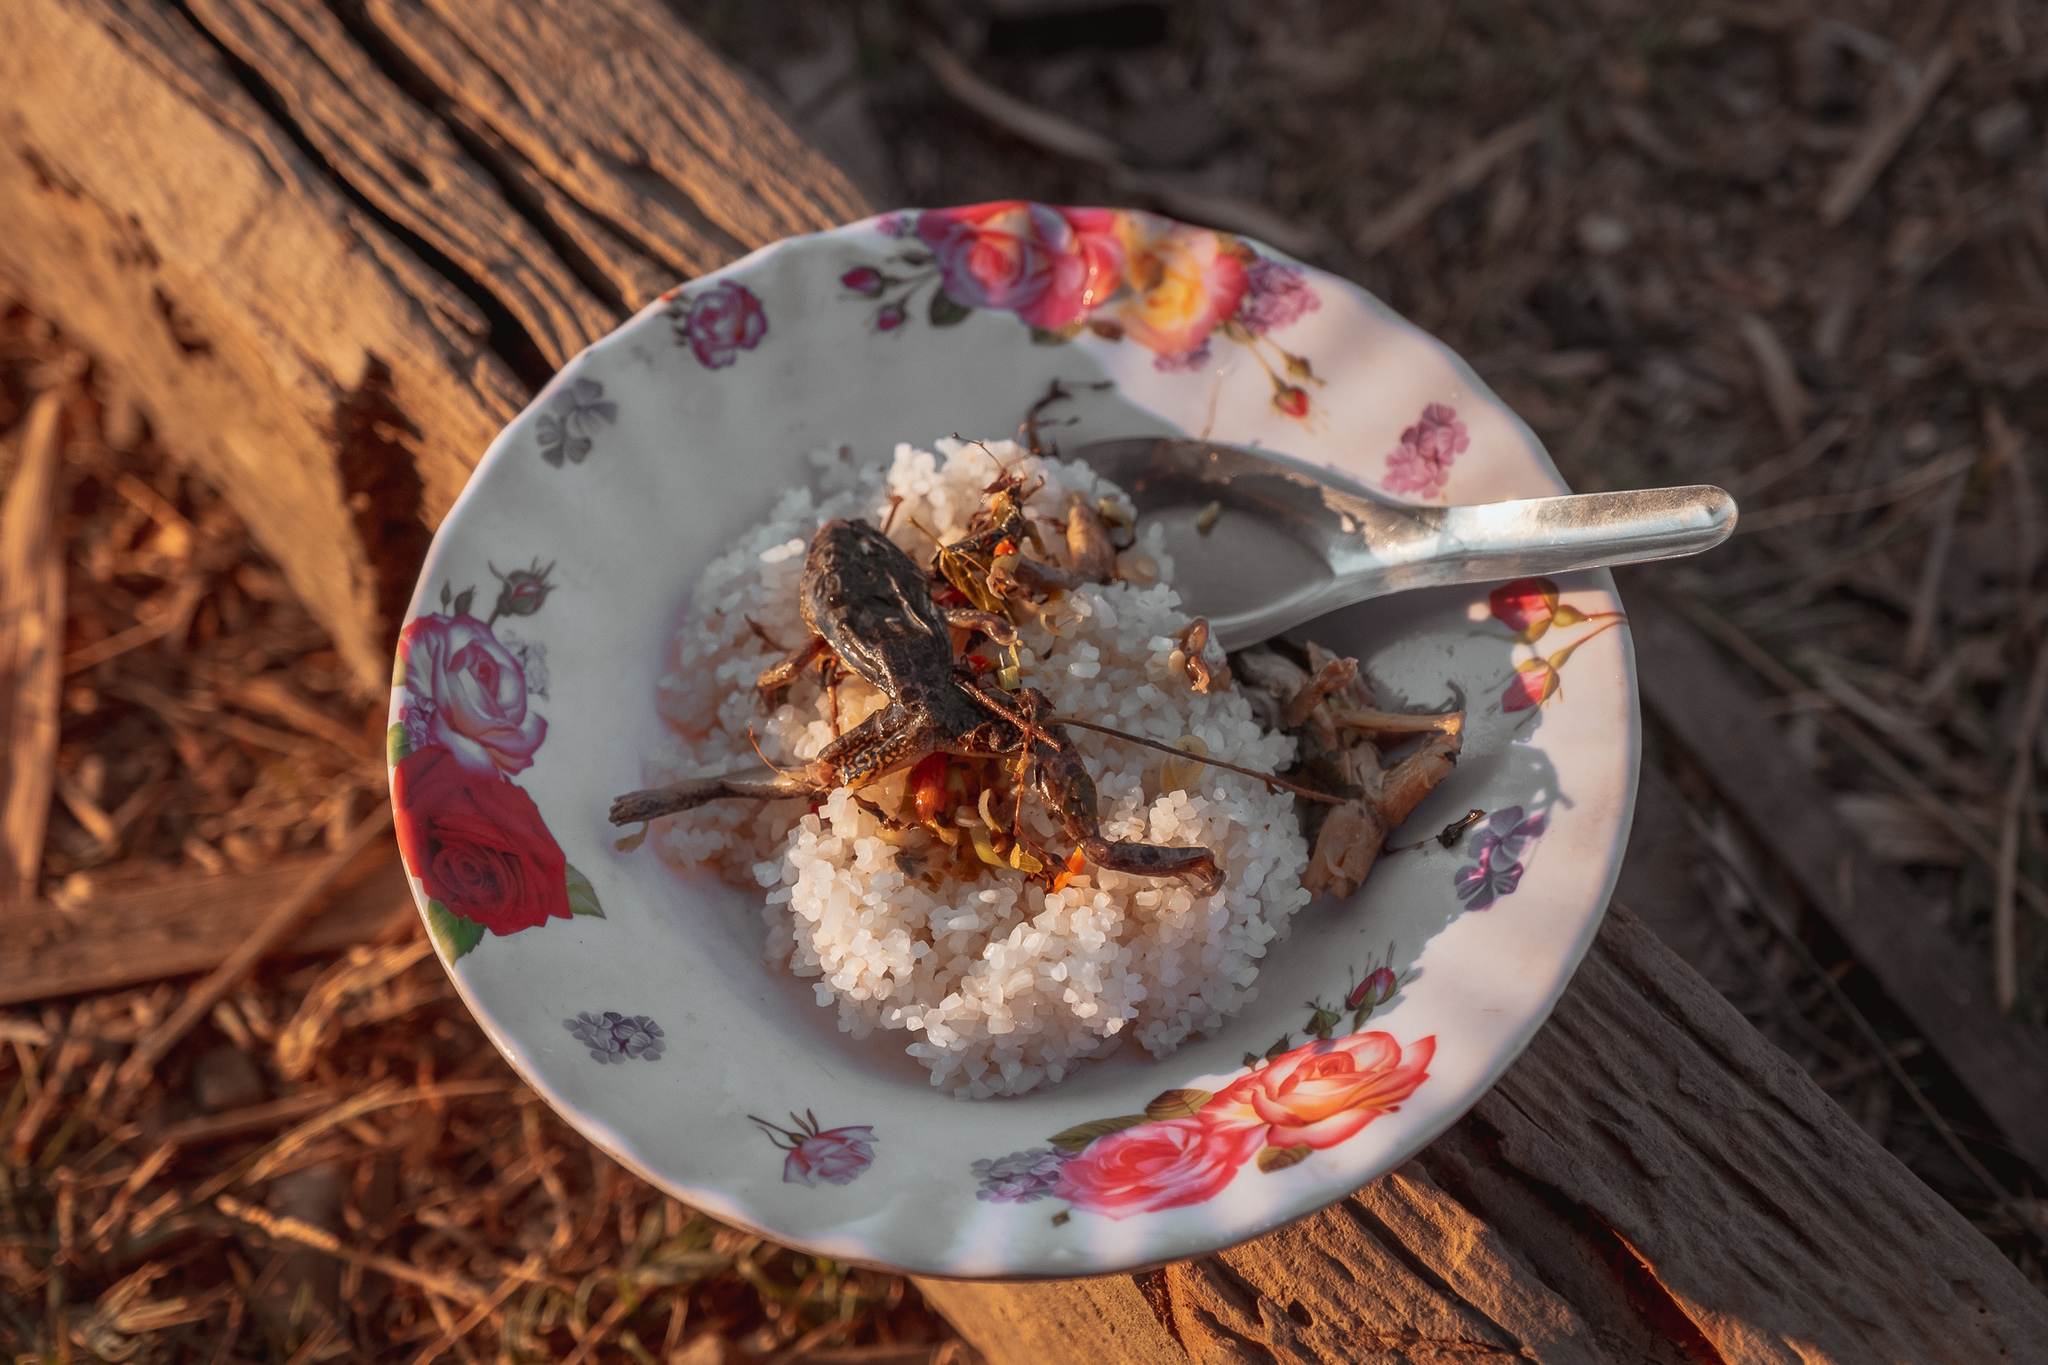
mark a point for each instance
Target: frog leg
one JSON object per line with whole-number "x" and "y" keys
{"x": 892, "y": 738}
{"x": 997, "y": 628}
{"x": 1063, "y": 783}
{"x": 1196, "y": 863}
{"x": 760, "y": 783}
{"x": 785, "y": 671}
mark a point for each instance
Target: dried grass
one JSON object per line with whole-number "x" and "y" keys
{"x": 326, "y": 1158}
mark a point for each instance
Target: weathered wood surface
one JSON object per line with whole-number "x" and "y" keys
{"x": 1651, "y": 1182}
{"x": 1949, "y": 998}
{"x": 329, "y": 257}
{"x": 147, "y": 929}
{"x": 31, "y": 648}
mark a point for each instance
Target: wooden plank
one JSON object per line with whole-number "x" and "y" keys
{"x": 379, "y": 142}
{"x": 1948, "y": 997}
{"x": 176, "y": 925}
{"x": 31, "y": 647}
{"x": 221, "y": 202}
{"x": 162, "y": 219}
{"x": 646, "y": 129}
{"x": 1651, "y": 1181}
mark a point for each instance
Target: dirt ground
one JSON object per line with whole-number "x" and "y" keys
{"x": 1801, "y": 251}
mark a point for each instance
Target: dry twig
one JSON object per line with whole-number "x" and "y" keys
{"x": 2003, "y": 930}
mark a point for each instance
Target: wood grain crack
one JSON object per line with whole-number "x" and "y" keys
{"x": 507, "y": 169}
{"x": 1159, "y": 1298}
{"x": 508, "y": 338}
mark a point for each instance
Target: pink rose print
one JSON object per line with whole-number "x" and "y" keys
{"x": 1048, "y": 266}
{"x": 1103, "y": 274}
{"x": 1153, "y": 1166}
{"x": 469, "y": 695}
{"x": 720, "y": 322}
{"x": 831, "y": 1156}
{"x": 1323, "y": 1092}
{"x": 1422, "y": 463}
{"x": 1189, "y": 1144}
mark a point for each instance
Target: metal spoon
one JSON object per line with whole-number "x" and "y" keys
{"x": 1292, "y": 542}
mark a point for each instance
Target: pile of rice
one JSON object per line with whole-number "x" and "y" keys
{"x": 1003, "y": 986}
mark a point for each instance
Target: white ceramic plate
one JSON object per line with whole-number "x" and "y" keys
{"x": 633, "y": 997}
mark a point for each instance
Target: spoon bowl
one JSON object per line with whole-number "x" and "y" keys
{"x": 1287, "y": 543}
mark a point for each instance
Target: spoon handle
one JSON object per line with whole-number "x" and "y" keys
{"x": 1478, "y": 543}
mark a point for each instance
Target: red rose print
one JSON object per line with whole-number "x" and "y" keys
{"x": 1524, "y": 606}
{"x": 1534, "y": 683}
{"x": 1163, "y": 1165}
{"x": 477, "y": 843}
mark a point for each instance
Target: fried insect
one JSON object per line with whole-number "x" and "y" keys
{"x": 869, "y": 606}
{"x": 1341, "y": 730}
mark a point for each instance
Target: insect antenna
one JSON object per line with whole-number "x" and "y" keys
{"x": 1268, "y": 778}
{"x": 779, "y": 772}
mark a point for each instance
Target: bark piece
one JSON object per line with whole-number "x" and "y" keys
{"x": 1650, "y": 1181}
{"x": 175, "y": 925}
{"x": 31, "y": 646}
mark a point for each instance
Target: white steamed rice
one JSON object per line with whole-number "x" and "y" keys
{"x": 1002, "y": 986}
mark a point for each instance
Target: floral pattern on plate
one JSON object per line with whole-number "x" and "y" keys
{"x": 1190, "y": 1144}
{"x": 1421, "y": 463}
{"x": 474, "y": 838}
{"x": 568, "y": 428}
{"x": 695, "y": 425}
{"x": 1117, "y": 273}
{"x": 1531, "y": 608}
{"x": 820, "y": 1156}
{"x": 717, "y": 322}
{"x": 614, "y": 1037}
{"x": 1497, "y": 848}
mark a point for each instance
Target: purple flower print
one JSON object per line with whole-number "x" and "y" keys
{"x": 831, "y": 1156}
{"x": 1496, "y": 869}
{"x": 720, "y": 322}
{"x": 1020, "y": 1177}
{"x": 1422, "y": 463}
{"x": 566, "y": 429}
{"x": 614, "y": 1037}
{"x": 1276, "y": 295}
